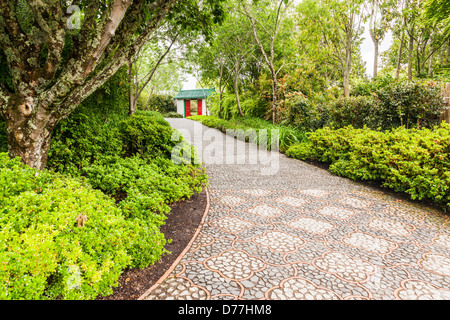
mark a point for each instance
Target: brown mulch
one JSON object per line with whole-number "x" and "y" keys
{"x": 180, "y": 226}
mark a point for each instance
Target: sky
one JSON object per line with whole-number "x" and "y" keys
{"x": 367, "y": 52}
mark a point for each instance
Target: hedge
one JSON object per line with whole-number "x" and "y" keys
{"x": 414, "y": 161}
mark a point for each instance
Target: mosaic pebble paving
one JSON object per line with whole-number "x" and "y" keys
{"x": 313, "y": 236}
{"x": 275, "y": 253}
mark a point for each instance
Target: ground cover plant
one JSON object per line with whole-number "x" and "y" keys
{"x": 413, "y": 161}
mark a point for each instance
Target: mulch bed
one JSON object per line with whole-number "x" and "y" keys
{"x": 180, "y": 226}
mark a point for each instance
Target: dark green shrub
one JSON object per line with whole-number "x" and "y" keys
{"x": 413, "y": 104}
{"x": 146, "y": 137}
{"x": 80, "y": 141}
{"x": 302, "y": 113}
{"x": 172, "y": 115}
{"x": 90, "y": 132}
{"x": 162, "y": 104}
{"x": 355, "y": 111}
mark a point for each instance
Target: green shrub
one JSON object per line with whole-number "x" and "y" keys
{"x": 406, "y": 160}
{"x": 80, "y": 141}
{"x": 162, "y": 104}
{"x": 158, "y": 117}
{"x": 172, "y": 115}
{"x": 303, "y": 113}
{"x": 146, "y": 136}
{"x": 355, "y": 111}
{"x": 413, "y": 104}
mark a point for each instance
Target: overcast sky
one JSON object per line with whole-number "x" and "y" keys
{"x": 367, "y": 52}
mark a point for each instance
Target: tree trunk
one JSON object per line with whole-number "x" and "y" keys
{"x": 131, "y": 108}
{"x": 236, "y": 88}
{"x": 410, "y": 49}
{"x": 29, "y": 128}
{"x": 430, "y": 66}
{"x": 220, "y": 90}
{"x": 274, "y": 103}
{"x": 348, "y": 61}
{"x": 399, "y": 57}
{"x": 220, "y": 104}
{"x": 375, "y": 60}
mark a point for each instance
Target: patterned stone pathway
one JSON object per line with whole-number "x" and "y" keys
{"x": 305, "y": 234}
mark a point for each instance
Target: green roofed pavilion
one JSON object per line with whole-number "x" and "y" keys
{"x": 194, "y": 94}
{"x": 184, "y": 97}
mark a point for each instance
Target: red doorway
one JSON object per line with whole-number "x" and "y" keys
{"x": 199, "y": 107}
{"x": 187, "y": 105}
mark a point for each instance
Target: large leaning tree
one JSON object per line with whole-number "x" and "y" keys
{"x": 55, "y": 53}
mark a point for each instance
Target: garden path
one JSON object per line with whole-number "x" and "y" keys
{"x": 279, "y": 228}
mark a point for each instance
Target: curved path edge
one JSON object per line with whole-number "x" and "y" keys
{"x": 182, "y": 254}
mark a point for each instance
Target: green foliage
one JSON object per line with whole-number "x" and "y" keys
{"x": 90, "y": 133}
{"x": 160, "y": 103}
{"x": 303, "y": 113}
{"x": 44, "y": 254}
{"x": 172, "y": 115}
{"x": 250, "y": 104}
{"x": 415, "y": 103}
{"x": 143, "y": 135}
{"x": 355, "y": 111}
{"x": 414, "y": 161}
{"x": 379, "y": 104}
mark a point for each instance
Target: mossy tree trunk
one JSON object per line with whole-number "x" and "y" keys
{"x": 46, "y": 86}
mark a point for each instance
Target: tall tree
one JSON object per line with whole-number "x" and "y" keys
{"x": 337, "y": 27}
{"x": 267, "y": 23}
{"x": 380, "y": 15}
{"x": 52, "y": 68}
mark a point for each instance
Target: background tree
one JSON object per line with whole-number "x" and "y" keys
{"x": 267, "y": 23}
{"x": 334, "y": 27}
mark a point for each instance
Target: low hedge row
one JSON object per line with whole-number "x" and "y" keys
{"x": 414, "y": 161}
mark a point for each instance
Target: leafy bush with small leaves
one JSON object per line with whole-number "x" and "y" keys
{"x": 46, "y": 253}
{"x": 146, "y": 136}
{"x": 161, "y": 103}
{"x": 354, "y": 111}
{"x": 303, "y": 113}
{"x": 414, "y": 161}
{"x": 286, "y": 136}
{"x": 172, "y": 115}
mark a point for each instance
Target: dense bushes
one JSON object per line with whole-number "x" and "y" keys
{"x": 355, "y": 111}
{"x": 303, "y": 113}
{"x": 413, "y": 104}
{"x": 159, "y": 103}
{"x": 378, "y": 104}
{"x": 123, "y": 189}
{"x": 414, "y": 161}
{"x": 251, "y": 106}
{"x": 115, "y": 170}
{"x": 45, "y": 253}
